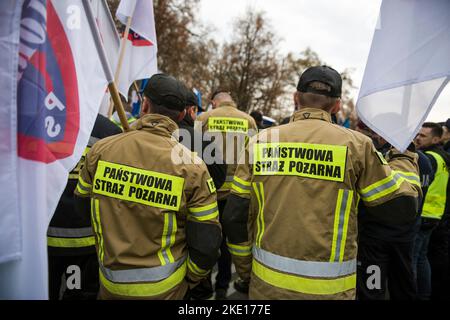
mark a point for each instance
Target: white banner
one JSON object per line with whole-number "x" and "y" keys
{"x": 60, "y": 85}
{"x": 407, "y": 69}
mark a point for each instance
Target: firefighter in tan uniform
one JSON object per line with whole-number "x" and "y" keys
{"x": 233, "y": 127}
{"x": 291, "y": 220}
{"x": 153, "y": 204}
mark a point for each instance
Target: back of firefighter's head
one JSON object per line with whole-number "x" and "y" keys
{"x": 165, "y": 95}
{"x": 219, "y": 97}
{"x": 319, "y": 87}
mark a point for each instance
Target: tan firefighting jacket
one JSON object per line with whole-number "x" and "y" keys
{"x": 297, "y": 237}
{"x": 233, "y": 127}
{"x": 154, "y": 212}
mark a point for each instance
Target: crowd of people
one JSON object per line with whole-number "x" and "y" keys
{"x": 306, "y": 210}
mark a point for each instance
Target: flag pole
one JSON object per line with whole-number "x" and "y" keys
{"x": 106, "y": 67}
{"x": 121, "y": 55}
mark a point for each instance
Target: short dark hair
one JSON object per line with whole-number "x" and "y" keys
{"x": 436, "y": 129}
{"x": 217, "y": 91}
{"x": 309, "y": 99}
{"x": 159, "y": 109}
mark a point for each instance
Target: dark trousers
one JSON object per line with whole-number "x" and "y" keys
{"x": 223, "y": 277}
{"x": 88, "y": 266}
{"x": 385, "y": 268}
{"x": 438, "y": 254}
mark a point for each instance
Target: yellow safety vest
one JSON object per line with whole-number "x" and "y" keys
{"x": 436, "y": 198}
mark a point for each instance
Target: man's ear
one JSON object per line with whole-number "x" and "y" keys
{"x": 145, "y": 107}
{"x": 337, "y": 106}
{"x": 297, "y": 100}
{"x": 181, "y": 115}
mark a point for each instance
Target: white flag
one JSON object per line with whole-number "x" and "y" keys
{"x": 140, "y": 59}
{"x": 407, "y": 69}
{"x": 110, "y": 39}
{"x": 60, "y": 83}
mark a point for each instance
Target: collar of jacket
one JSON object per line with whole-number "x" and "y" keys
{"x": 227, "y": 104}
{"x": 157, "y": 124}
{"x": 312, "y": 113}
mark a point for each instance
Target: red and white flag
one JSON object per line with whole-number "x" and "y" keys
{"x": 140, "y": 58}
{"x": 53, "y": 83}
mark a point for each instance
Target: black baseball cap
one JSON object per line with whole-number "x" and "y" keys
{"x": 325, "y": 75}
{"x": 447, "y": 123}
{"x": 192, "y": 100}
{"x": 166, "y": 91}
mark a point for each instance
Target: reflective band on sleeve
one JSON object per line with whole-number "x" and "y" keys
{"x": 168, "y": 238}
{"x": 69, "y": 232}
{"x": 305, "y": 268}
{"x": 145, "y": 289}
{"x": 137, "y": 185}
{"x": 82, "y": 190}
{"x": 70, "y": 242}
{"x": 259, "y": 192}
{"x": 316, "y": 161}
{"x": 208, "y": 212}
{"x": 410, "y": 177}
{"x": 75, "y": 173}
{"x": 382, "y": 188}
{"x": 341, "y": 217}
{"x": 241, "y": 186}
{"x": 238, "y": 250}
{"x": 141, "y": 274}
{"x": 303, "y": 285}
{"x": 226, "y": 124}
{"x": 84, "y": 183}
{"x": 196, "y": 269}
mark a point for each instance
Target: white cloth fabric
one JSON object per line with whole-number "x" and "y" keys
{"x": 407, "y": 69}
{"x": 56, "y": 110}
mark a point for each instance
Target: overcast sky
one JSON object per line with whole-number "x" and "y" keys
{"x": 339, "y": 31}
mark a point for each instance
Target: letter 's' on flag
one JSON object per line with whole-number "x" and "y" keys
{"x": 52, "y": 84}
{"x": 407, "y": 69}
{"x": 140, "y": 59}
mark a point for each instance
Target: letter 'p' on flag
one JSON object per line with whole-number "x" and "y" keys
{"x": 407, "y": 69}
{"x": 52, "y": 84}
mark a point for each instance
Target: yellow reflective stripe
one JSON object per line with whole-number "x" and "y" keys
{"x": 81, "y": 190}
{"x": 196, "y": 269}
{"x": 346, "y": 219}
{"x": 226, "y": 186}
{"x": 84, "y": 183}
{"x": 239, "y": 250}
{"x": 410, "y": 177}
{"x": 258, "y": 224}
{"x": 168, "y": 238}
{"x": 316, "y": 161}
{"x": 70, "y": 242}
{"x": 145, "y": 289}
{"x": 95, "y": 216}
{"x": 146, "y": 187}
{"x": 243, "y": 182}
{"x": 227, "y": 124}
{"x": 239, "y": 190}
{"x": 208, "y": 212}
{"x": 382, "y": 188}
{"x": 301, "y": 284}
{"x": 336, "y": 224}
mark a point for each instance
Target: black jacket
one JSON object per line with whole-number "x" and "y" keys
{"x": 66, "y": 215}
{"x": 218, "y": 172}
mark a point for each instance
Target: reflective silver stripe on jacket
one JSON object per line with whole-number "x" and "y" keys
{"x": 70, "y": 232}
{"x": 305, "y": 268}
{"x": 142, "y": 274}
{"x": 385, "y": 186}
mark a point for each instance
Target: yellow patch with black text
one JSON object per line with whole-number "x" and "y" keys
{"x": 211, "y": 185}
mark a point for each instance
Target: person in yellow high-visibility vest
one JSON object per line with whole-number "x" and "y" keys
{"x": 436, "y": 207}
